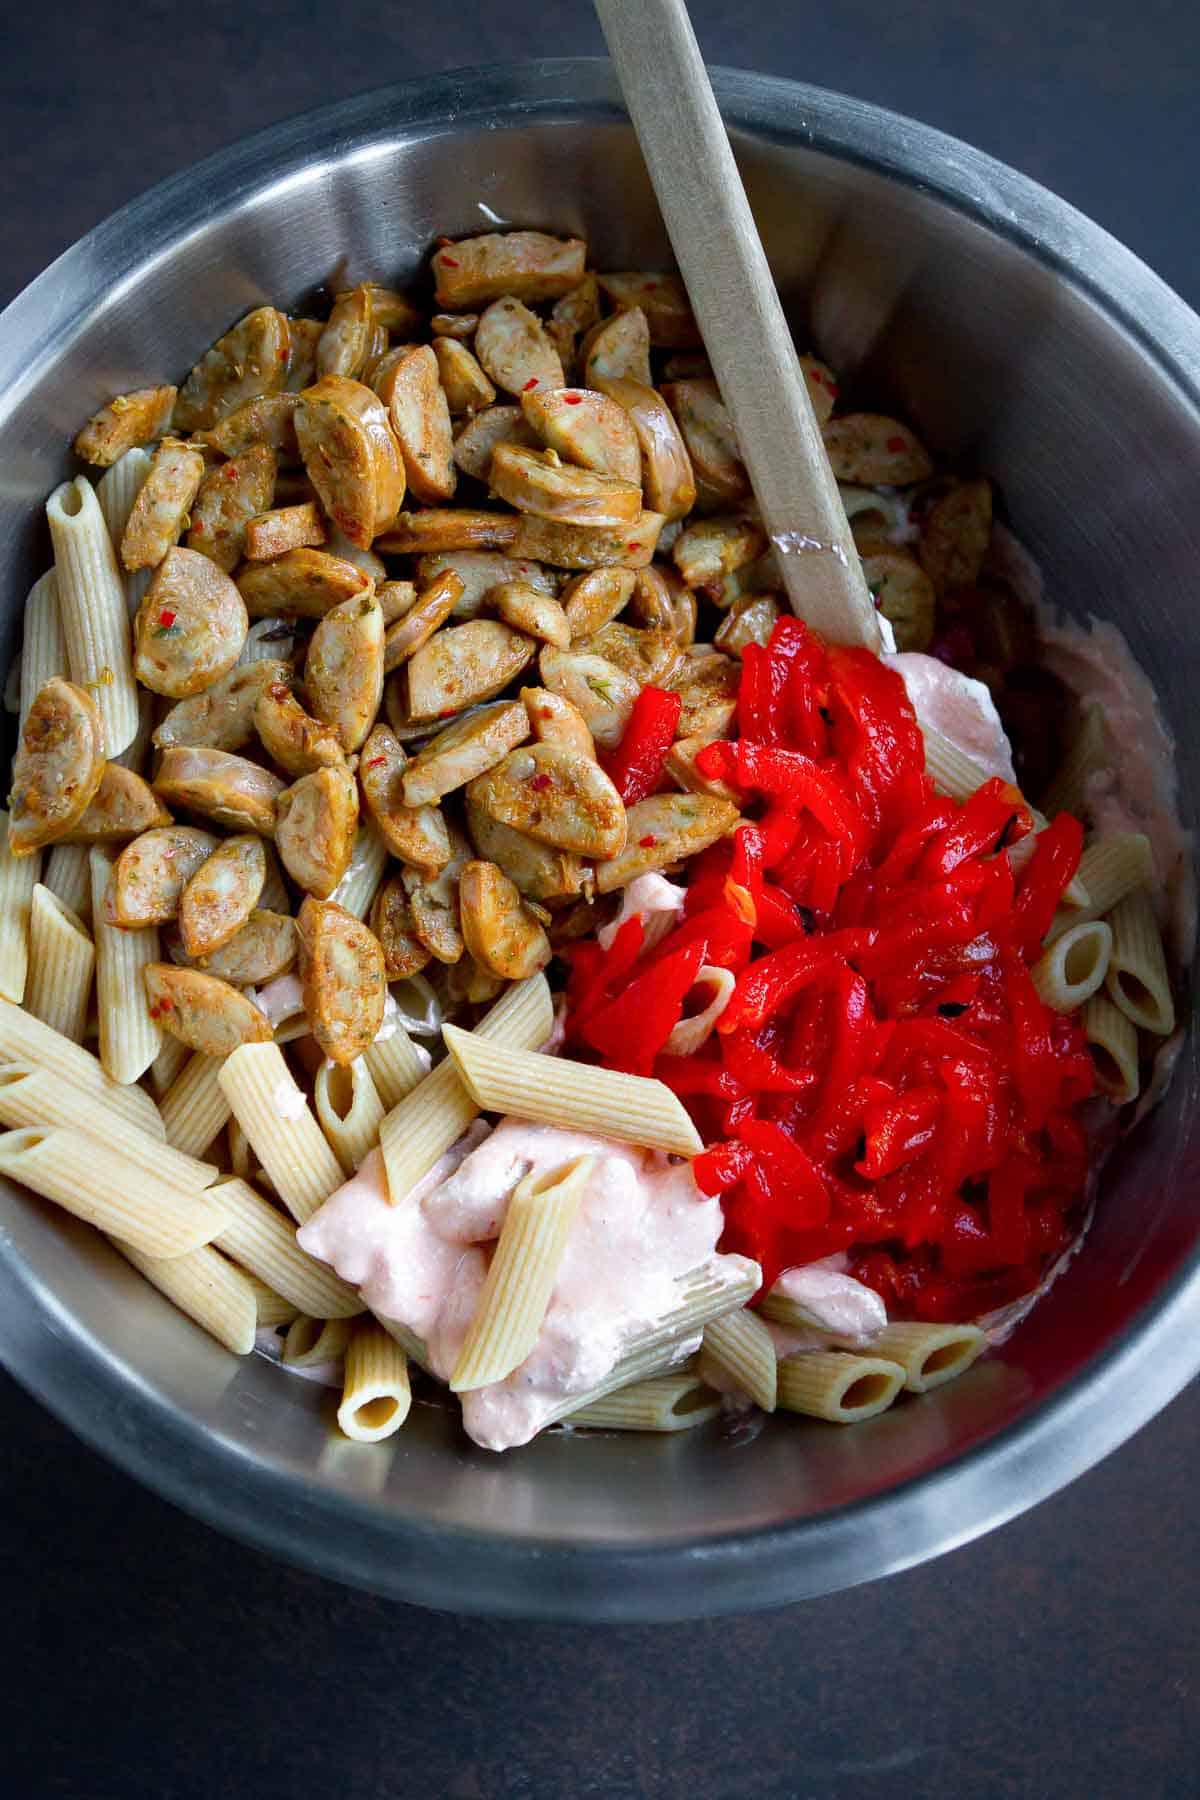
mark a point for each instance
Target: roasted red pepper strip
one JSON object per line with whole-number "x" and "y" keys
{"x": 635, "y": 767}
{"x": 896, "y": 1130}
{"x": 630, "y": 1031}
{"x": 1051, "y": 867}
{"x": 994, "y": 811}
{"x": 768, "y": 984}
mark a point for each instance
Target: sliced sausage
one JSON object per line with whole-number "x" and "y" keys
{"x": 477, "y": 440}
{"x": 709, "y": 549}
{"x": 318, "y": 817}
{"x": 708, "y": 683}
{"x": 350, "y": 456}
{"x": 662, "y": 830}
{"x": 576, "y": 312}
{"x": 468, "y": 983}
{"x": 650, "y": 656}
{"x": 122, "y": 806}
{"x": 222, "y": 894}
{"x": 300, "y": 584}
{"x": 463, "y": 664}
{"x": 666, "y": 474}
{"x": 529, "y": 264}
{"x": 537, "y": 481}
{"x": 392, "y": 923}
{"x": 57, "y": 767}
{"x": 465, "y": 749}
{"x": 875, "y": 450}
{"x": 420, "y": 416}
{"x": 466, "y": 387}
{"x": 190, "y": 627}
{"x": 955, "y": 534}
{"x": 553, "y": 719}
{"x": 680, "y": 765}
{"x": 268, "y": 419}
{"x": 434, "y": 900}
{"x": 512, "y": 345}
{"x": 228, "y": 499}
{"x": 203, "y": 1012}
{"x": 265, "y": 946}
{"x": 538, "y": 870}
{"x": 222, "y": 717}
{"x": 479, "y": 571}
{"x": 454, "y": 325}
{"x": 617, "y": 346}
{"x": 151, "y": 873}
{"x": 230, "y": 789}
{"x": 587, "y": 546}
{"x": 592, "y": 599}
{"x": 160, "y": 509}
{"x": 251, "y": 359}
{"x": 557, "y": 796}
{"x": 497, "y": 928}
{"x": 297, "y": 743}
{"x": 391, "y": 309}
{"x": 707, "y": 431}
{"x": 343, "y": 673}
{"x": 396, "y": 599}
{"x": 661, "y": 601}
{"x": 902, "y": 591}
{"x": 822, "y": 386}
{"x": 602, "y": 694}
{"x": 663, "y": 301}
{"x": 585, "y": 428}
{"x": 343, "y": 979}
{"x": 285, "y": 528}
{"x": 750, "y": 620}
{"x": 127, "y": 421}
{"x": 522, "y": 607}
{"x": 345, "y": 343}
{"x": 416, "y": 834}
{"x": 448, "y": 528}
{"x": 418, "y": 624}
{"x": 302, "y": 362}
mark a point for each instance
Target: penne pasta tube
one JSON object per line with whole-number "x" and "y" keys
{"x": 167, "y": 1066}
{"x": 356, "y": 890}
{"x": 202, "y": 1284}
{"x": 62, "y": 960}
{"x": 521, "y": 1274}
{"x": 376, "y": 1396}
{"x": 270, "y": 1308}
{"x": 26, "y": 1039}
{"x": 690, "y": 1034}
{"x": 1113, "y": 1042}
{"x": 274, "y": 896}
{"x": 838, "y": 1385}
{"x": 1137, "y": 978}
{"x": 929, "y": 1354}
{"x": 1074, "y": 966}
{"x": 33, "y": 1096}
{"x": 241, "y": 1157}
{"x": 633, "y": 1109}
{"x": 19, "y": 876}
{"x": 1089, "y": 752}
{"x": 311, "y": 1343}
{"x": 396, "y": 1065}
{"x": 129, "y": 1038}
{"x": 1022, "y": 852}
{"x": 264, "y": 1242}
{"x": 106, "y": 1188}
{"x": 92, "y": 604}
{"x": 423, "y": 1125}
{"x": 950, "y": 769}
{"x": 44, "y": 646}
{"x": 273, "y": 1112}
{"x": 69, "y": 878}
{"x": 1109, "y": 869}
{"x": 116, "y": 490}
{"x": 349, "y": 1110}
{"x": 676, "y": 1402}
{"x": 194, "y": 1108}
{"x": 741, "y": 1349}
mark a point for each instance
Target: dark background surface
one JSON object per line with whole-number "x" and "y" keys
{"x": 146, "y": 1656}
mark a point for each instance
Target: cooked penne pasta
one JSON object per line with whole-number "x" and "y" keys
{"x": 104, "y": 1187}
{"x": 25, "y": 1039}
{"x": 1113, "y": 1042}
{"x": 116, "y": 490}
{"x": 663, "y": 1403}
{"x": 92, "y": 603}
{"x": 194, "y": 1108}
{"x": 349, "y": 1110}
{"x": 376, "y": 1396}
{"x": 276, "y": 1117}
{"x": 740, "y": 1347}
{"x": 950, "y": 769}
{"x": 423, "y": 1125}
{"x": 167, "y": 1066}
{"x": 43, "y": 647}
{"x": 688, "y": 1036}
{"x": 270, "y": 1308}
{"x": 62, "y": 960}
{"x": 274, "y": 896}
{"x": 264, "y": 1242}
{"x": 33, "y": 1096}
{"x": 1022, "y": 852}
{"x": 1137, "y": 978}
{"x": 1109, "y": 869}
{"x": 202, "y": 1284}
{"x": 396, "y": 1065}
{"x": 1074, "y": 966}
{"x": 368, "y": 859}
{"x": 631, "y": 1108}
{"x": 18, "y": 877}
{"x": 129, "y": 1038}
{"x": 69, "y": 877}
{"x": 929, "y": 1354}
{"x": 521, "y": 1275}
{"x": 838, "y": 1385}
{"x": 1089, "y": 753}
{"x": 312, "y": 1343}
{"x": 241, "y": 1157}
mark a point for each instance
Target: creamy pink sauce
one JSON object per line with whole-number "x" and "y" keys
{"x": 958, "y": 707}
{"x": 642, "y": 1223}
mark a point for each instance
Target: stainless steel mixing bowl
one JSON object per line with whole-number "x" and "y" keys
{"x": 1006, "y": 325}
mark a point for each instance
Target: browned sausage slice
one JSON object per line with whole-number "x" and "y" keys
{"x": 522, "y": 607}
{"x": 297, "y": 743}
{"x": 587, "y": 546}
{"x": 463, "y": 750}
{"x": 351, "y": 456}
{"x": 661, "y": 600}
{"x": 230, "y": 789}
{"x": 300, "y": 584}
{"x": 392, "y": 922}
{"x": 221, "y": 895}
{"x": 875, "y": 450}
{"x": 529, "y": 264}
{"x": 586, "y": 428}
{"x": 479, "y": 571}
{"x": 466, "y": 387}
{"x": 229, "y": 497}
{"x": 592, "y": 599}
{"x": 617, "y": 346}
{"x": 268, "y": 419}
{"x": 418, "y": 624}
{"x": 538, "y": 871}
{"x": 649, "y": 655}
{"x": 448, "y": 528}
{"x": 343, "y": 979}
{"x": 662, "y": 830}
{"x": 128, "y": 420}
{"x": 57, "y": 767}
{"x": 318, "y": 817}
{"x": 709, "y": 549}
{"x": 557, "y": 796}
{"x": 416, "y": 834}
{"x": 251, "y": 359}
{"x": 477, "y": 440}
{"x": 222, "y": 717}
{"x": 160, "y": 510}
{"x": 266, "y": 946}
{"x": 497, "y": 928}
{"x": 302, "y": 362}
{"x": 663, "y": 299}
{"x": 711, "y": 441}
{"x": 512, "y": 345}
{"x": 343, "y": 673}
{"x": 539, "y": 482}
{"x": 553, "y": 719}
{"x": 151, "y": 873}
{"x": 420, "y": 419}
{"x": 603, "y": 694}
{"x": 122, "y": 806}
{"x": 346, "y": 340}
{"x": 463, "y": 664}
{"x": 667, "y": 478}
{"x": 285, "y": 528}
{"x": 206, "y": 1014}
{"x": 190, "y": 627}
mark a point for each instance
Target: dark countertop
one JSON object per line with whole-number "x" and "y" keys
{"x": 148, "y": 1657}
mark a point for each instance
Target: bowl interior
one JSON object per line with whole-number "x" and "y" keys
{"x": 1013, "y": 333}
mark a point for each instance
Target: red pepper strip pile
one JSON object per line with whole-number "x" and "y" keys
{"x": 884, "y": 1079}
{"x": 635, "y": 767}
